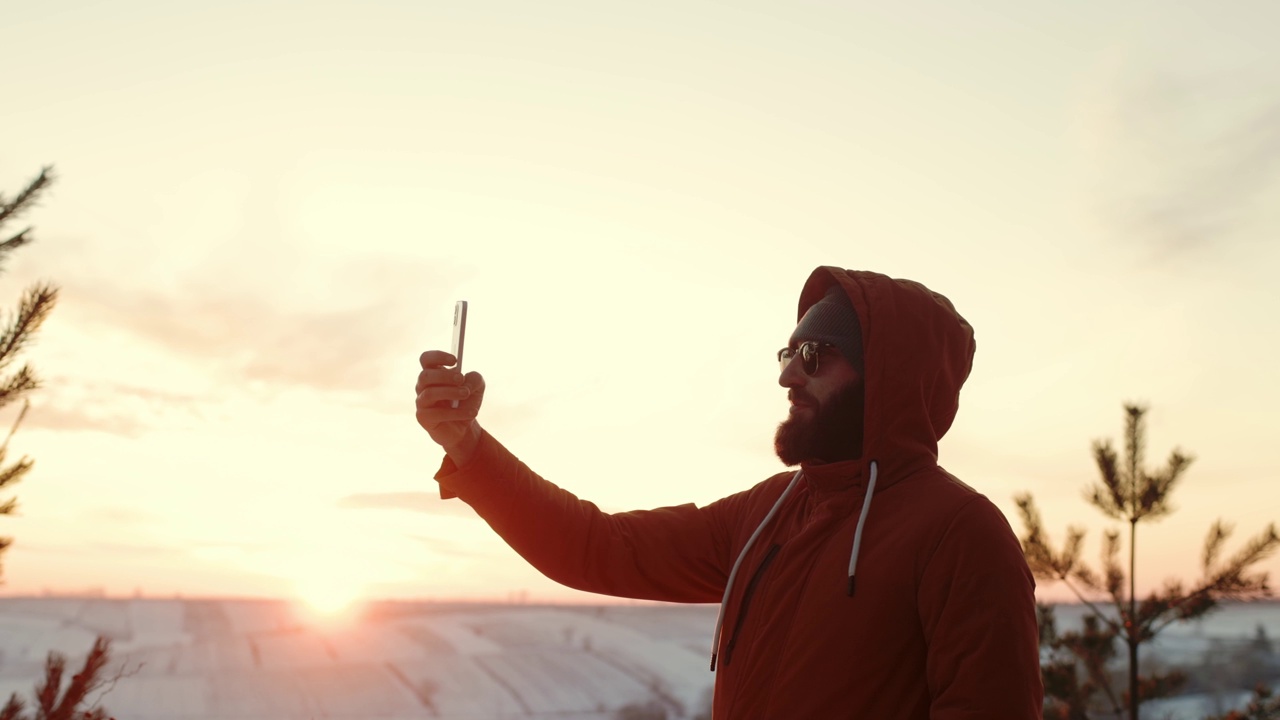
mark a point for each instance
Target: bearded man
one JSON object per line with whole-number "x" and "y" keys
{"x": 867, "y": 583}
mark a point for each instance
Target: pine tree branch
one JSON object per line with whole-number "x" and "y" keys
{"x": 1083, "y": 574}
{"x": 14, "y": 473}
{"x": 1105, "y": 683}
{"x": 1047, "y": 622}
{"x": 27, "y": 198}
{"x": 105, "y": 686}
{"x": 1218, "y": 535}
{"x": 1041, "y": 558}
{"x": 4, "y": 545}
{"x": 1230, "y": 582}
{"x": 1202, "y": 599}
{"x": 1157, "y": 489}
{"x": 1264, "y": 705}
{"x": 17, "y": 385}
{"x": 1088, "y": 579}
{"x": 1160, "y": 685}
{"x": 84, "y": 682}
{"x": 47, "y": 692}
{"x": 1097, "y": 611}
{"x": 12, "y": 710}
{"x": 13, "y": 243}
{"x": 1035, "y": 546}
{"x": 1194, "y": 604}
{"x": 1095, "y": 649}
{"x": 34, "y": 308}
{"x": 1112, "y": 572}
{"x": 13, "y": 429}
{"x": 1135, "y": 451}
{"x": 1259, "y": 548}
{"x": 5, "y": 542}
{"x": 1175, "y": 604}
{"x": 1071, "y": 549}
{"x": 1109, "y": 495}
{"x": 1047, "y": 565}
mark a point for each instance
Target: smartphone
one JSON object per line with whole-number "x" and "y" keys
{"x": 459, "y": 335}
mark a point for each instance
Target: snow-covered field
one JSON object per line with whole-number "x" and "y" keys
{"x": 264, "y": 660}
{"x": 1211, "y": 650}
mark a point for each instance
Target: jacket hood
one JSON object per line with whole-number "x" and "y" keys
{"x": 918, "y": 352}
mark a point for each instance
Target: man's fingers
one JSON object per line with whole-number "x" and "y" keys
{"x": 431, "y": 410}
{"x": 432, "y": 394}
{"x": 439, "y": 389}
{"x": 434, "y": 376}
{"x": 432, "y": 359}
{"x": 437, "y": 415}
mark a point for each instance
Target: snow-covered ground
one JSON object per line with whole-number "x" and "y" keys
{"x": 1187, "y": 642}
{"x": 1209, "y": 649}
{"x": 264, "y": 660}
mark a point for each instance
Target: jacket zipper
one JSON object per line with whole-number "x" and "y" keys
{"x": 746, "y": 601}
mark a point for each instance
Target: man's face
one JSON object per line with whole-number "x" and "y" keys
{"x": 825, "y": 420}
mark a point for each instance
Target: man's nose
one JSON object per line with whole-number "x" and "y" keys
{"x": 792, "y": 373}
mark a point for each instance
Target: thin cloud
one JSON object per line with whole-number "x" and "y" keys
{"x": 249, "y": 338}
{"x": 447, "y": 548}
{"x": 83, "y": 420}
{"x": 245, "y": 299}
{"x": 1187, "y": 163}
{"x": 117, "y": 409}
{"x": 422, "y": 502}
{"x": 325, "y": 329}
{"x": 119, "y": 516}
{"x": 109, "y": 548}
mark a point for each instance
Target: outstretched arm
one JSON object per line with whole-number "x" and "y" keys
{"x": 676, "y": 554}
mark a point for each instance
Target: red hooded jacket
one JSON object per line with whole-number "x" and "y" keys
{"x": 941, "y": 623}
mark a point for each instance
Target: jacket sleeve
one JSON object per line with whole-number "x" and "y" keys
{"x": 977, "y": 609}
{"x": 673, "y": 554}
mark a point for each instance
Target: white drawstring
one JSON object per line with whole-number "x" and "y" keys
{"x": 853, "y": 556}
{"x": 715, "y": 642}
{"x": 862, "y": 519}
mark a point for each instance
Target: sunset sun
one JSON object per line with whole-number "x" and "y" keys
{"x": 328, "y": 596}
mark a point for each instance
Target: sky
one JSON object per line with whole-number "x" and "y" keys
{"x": 265, "y": 211}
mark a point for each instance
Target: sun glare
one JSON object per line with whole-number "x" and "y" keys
{"x": 328, "y": 597}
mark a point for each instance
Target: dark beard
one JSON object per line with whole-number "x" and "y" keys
{"x": 833, "y": 434}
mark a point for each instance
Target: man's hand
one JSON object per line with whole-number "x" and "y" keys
{"x": 454, "y": 429}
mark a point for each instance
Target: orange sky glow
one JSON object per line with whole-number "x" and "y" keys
{"x": 259, "y": 225}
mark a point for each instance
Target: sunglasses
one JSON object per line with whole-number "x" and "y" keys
{"x": 808, "y": 352}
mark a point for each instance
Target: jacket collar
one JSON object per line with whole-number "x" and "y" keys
{"x": 834, "y": 477}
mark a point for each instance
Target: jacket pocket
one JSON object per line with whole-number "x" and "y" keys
{"x": 746, "y": 601}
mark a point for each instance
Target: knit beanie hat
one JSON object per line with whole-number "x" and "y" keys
{"x": 833, "y": 320}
